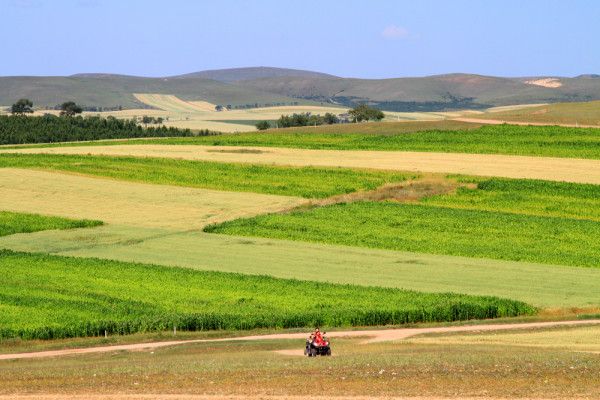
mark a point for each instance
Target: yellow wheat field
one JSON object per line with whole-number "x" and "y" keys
{"x": 546, "y": 168}
{"x": 128, "y": 203}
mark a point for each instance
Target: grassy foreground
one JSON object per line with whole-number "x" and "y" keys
{"x": 45, "y": 296}
{"x": 12, "y": 222}
{"x": 308, "y": 182}
{"x": 418, "y": 369}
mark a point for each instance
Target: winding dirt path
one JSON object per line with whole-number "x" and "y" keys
{"x": 373, "y": 336}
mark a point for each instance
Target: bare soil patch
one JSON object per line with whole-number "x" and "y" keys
{"x": 409, "y": 191}
{"x": 239, "y": 151}
{"x": 552, "y": 83}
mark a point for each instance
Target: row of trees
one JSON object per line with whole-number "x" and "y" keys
{"x": 360, "y": 113}
{"x": 14, "y": 129}
{"x": 253, "y": 105}
{"x": 306, "y": 119}
{"x": 151, "y": 120}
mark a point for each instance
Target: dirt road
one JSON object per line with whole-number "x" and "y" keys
{"x": 527, "y": 167}
{"x": 371, "y": 336}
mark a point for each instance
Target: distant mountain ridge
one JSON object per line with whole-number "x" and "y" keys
{"x": 269, "y": 85}
{"x": 241, "y": 74}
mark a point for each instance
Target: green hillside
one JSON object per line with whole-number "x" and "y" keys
{"x": 440, "y": 92}
{"x": 102, "y": 90}
{"x": 264, "y": 86}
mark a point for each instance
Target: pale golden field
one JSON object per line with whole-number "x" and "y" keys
{"x": 169, "y": 102}
{"x": 546, "y": 168}
{"x": 127, "y": 203}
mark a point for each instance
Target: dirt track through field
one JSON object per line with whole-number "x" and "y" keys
{"x": 373, "y": 336}
{"x": 546, "y": 168}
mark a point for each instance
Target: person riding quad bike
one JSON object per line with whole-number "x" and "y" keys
{"x": 317, "y": 345}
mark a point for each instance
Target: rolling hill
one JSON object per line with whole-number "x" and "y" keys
{"x": 241, "y": 74}
{"x": 267, "y": 86}
{"x": 107, "y": 90}
{"x": 432, "y": 93}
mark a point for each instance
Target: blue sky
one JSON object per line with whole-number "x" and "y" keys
{"x": 368, "y": 39}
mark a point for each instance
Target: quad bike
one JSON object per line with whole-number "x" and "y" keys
{"x": 312, "y": 349}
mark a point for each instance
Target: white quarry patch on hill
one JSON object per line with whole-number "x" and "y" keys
{"x": 546, "y": 82}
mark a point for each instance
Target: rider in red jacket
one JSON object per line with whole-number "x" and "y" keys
{"x": 318, "y": 338}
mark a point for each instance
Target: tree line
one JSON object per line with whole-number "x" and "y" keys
{"x": 360, "y": 113}
{"x": 16, "y": 129}
{"x": 221, "y": 107}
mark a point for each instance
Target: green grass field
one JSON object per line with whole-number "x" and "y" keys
{"x": 523, "y": 196}
{"x": 51, "y": 297}
{"x": 12, "y": 222}
{"x": 543, "y": 285}
{"x": 520, "y": 220}
{"x": 305, "y": 182}
{"x": 431, "y": 229}
{"x": 547, "y": 141}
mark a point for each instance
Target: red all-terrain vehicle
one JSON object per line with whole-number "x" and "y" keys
{"x": 317, "y": 345}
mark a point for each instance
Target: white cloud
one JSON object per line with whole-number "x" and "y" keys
{"x": 394, "y": 32}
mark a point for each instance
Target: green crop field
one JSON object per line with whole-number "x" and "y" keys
{"x": 547, "y": 141}
{"x": 306, "y": 182}
{"x": 430, "y": 229}
{"x": 50, "y": 297}
{"x": 531, "y": 197}
{"x": 498, "y": 139}
{"x": 521, "y": 220}
{"x": 12, "y": 222}
{"x": 543, "y": 285}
